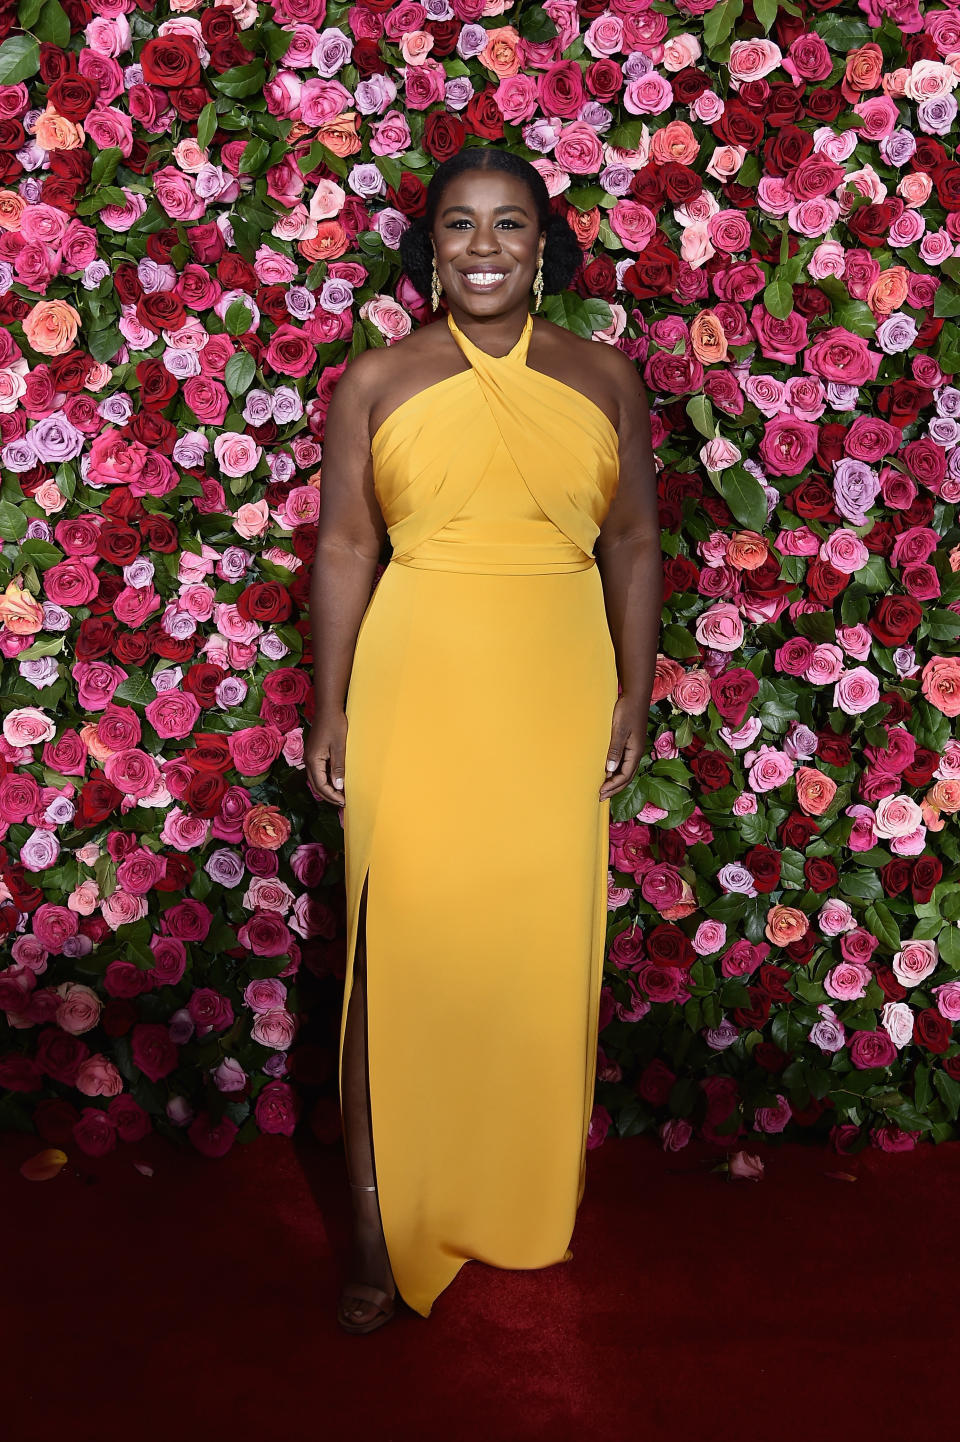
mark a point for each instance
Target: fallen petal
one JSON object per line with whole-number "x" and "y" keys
{"x": 142, "y": 1167}
{"x": 841, "y": 1176}
{"x": 43, "y": 1165}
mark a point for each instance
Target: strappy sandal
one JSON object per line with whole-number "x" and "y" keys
{"x": 363, "y": 1292}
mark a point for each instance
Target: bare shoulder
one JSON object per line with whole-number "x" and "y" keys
{"x": 597, "y": 367}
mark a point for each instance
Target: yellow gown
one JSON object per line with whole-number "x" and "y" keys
{"x": 479, "y": 712}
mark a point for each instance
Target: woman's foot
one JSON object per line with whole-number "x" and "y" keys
{"x": 370, "y": 1264}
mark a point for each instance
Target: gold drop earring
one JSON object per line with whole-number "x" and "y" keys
{"x": 538, "y": 283}
{"x": 436, "y": 288}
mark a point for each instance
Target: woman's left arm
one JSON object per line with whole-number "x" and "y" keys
{"x": 631, "y": 568}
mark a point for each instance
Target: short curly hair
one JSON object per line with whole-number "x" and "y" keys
{"x": 562, "y": 256}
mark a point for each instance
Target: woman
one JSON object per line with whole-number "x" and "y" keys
{"x": 469, "y": 753}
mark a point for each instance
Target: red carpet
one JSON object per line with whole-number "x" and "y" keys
{"x": 198, "y": 1303}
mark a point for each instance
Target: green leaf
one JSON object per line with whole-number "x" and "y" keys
{"x": 27, "y": 12}
{"x": 946, "y": 302}
{"x": 679, "y": 643}
{"x": 241, "y": 80}
{"x": 841, "y": 32}
{"x": 138, "y": 689}
{"x": 719, "y": 21}
{"x": 104, "y": 344}
{"x": 778, "y": 298}
{"x": 745, "y": 497}
{"x": 207, "y": 124}
{"x": 254, "y": 157}
{"x": 41, "y": 553}
{"x": 104, "y": 167}
{"x": 240, "y": 372}
{"x": 13, "y": 523}
{"x": 52, "y": 25}
{"x": 880, "y": 921}
{"x": 948, "y": 945}
{"x": 237, "y": 319}
{"x": 19, "y": 59}
{"x": 766, "y": 13}
{"x": 949, "y": 1090}
{"x": 535, "y": 25}
{"x": 700, "y": 411}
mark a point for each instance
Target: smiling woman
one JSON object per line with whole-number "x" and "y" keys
{"x": 483, "y": 675}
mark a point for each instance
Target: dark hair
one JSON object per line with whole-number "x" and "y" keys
{"x": 562, "y": 255}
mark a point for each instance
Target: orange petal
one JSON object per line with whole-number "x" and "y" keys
{"x": 841, "y": 1176}
{"x": 44, "y": 1165}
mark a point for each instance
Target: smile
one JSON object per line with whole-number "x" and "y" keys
{"x": 483, "y": 279}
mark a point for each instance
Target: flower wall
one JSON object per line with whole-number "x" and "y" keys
{"x": 200, "y": 208}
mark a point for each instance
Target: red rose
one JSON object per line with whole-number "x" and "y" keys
{"x": 159, "y": 534}
{"x": 97, "y": 800}
{"x": 820, "y": 873}
{"x": 764, "y": 866}
{"x": 832, "y": 748}
{"x": 797, "y": 831}
{"x": 667, "y": 945}
{"x": 801, "y": 950}
{"x": 152, "y": 1050}
{"x": 443, "y": 135}
{"x": 118, "y": 544}
{"x": 711, "y": 770}
{"x": 171, "y": 62}
{"x": 654, "y": 272}
{"x": 895, "y": 876}
{"x": 73, "y": 96}
{"x": 157, "y": 386}
{"x": 812, "y": 500}
{"x": 655, "y": 1083}
{"x": 202, "y": 681}
{"x": 753, "y": 1017}
{"x": 892, "y": 989}
{"x": 825, "y": 582}
{"x": 161, "y": 310}
{"x": 921, "y": 768}
{"x": 483, "y": 116}
{"x": 205, "y": 792}
{"x": 931, "y": 1030}
{"x": 732, "y": 691}
{"x": 265, "y": 601}
{"x": 769, "y": 1056}
{"x": 679, "y": 574}
{"x": 926, "y": 873}
{"x": 211, "y": 752}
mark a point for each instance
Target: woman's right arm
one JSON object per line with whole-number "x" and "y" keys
{"x": 350, "y": 536}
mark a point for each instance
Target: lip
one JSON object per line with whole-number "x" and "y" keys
{"x": 484, "y": 270}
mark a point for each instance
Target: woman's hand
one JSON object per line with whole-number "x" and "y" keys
{"x": 323, "y": 756}
{"x": 628, "y": 740}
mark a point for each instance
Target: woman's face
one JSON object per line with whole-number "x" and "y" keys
{"x": 487, "y": 242}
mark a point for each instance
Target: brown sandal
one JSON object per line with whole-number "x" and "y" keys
{"x": 363, "y": 1292}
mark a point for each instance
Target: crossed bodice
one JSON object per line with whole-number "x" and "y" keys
{"x": 498, "y": 468}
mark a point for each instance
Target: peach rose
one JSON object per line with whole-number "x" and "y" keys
{"x": 941, "y": 684}
{"x": 944, "y": 796}
{"x": 500, "y": 54}
{"x": 19, "y": 612}
{"x": 675, "y": 141}
{"x": 746, "y": 551}
{"x": 266, "y": 826}
{"x": 708, "y": 338}
{"x": 864, "y": 67}
{"x": 12, "y": 207}
{"x": 889, "y": 291}
{"x": 51, "y": 327}
{"x": 785, "y": 924}
{"x": 666, "y": 675}
{"x": 814, "y": 790}
{"x": 53, "y": 132}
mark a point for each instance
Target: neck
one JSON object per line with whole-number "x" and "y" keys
{"x": 496, "y": 334}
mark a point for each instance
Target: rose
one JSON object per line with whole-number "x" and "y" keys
{"x": 941, "y": 684}
{"x": 914, "y": 962}
{"x": 871, "y": 1049}
{"x": 815, "y": 791}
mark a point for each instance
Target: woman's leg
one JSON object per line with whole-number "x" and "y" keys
{"x": 371, "y": 1263}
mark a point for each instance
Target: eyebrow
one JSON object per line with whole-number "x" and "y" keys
{"x": 469, "y": 209}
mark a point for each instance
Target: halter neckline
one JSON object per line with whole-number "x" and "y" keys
{"x": 520, "y": 345}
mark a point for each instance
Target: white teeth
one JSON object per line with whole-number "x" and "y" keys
{"x": 483, "y": 278}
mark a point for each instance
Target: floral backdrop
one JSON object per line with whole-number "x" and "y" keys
{"x": 200, "y": 210}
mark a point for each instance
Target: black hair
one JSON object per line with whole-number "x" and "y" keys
{"x": 562, "y": 256}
